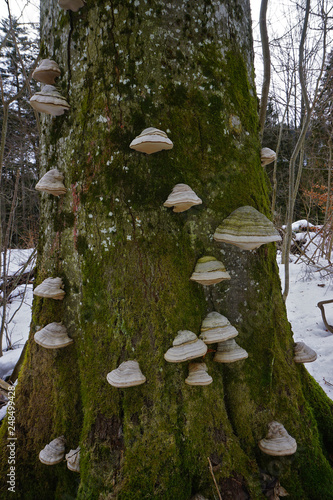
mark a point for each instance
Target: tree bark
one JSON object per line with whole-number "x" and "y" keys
{"x": 186, "y": 68}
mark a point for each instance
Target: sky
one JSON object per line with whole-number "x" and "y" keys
{"x": 26, "y": 10}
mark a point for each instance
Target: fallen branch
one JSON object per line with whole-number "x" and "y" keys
{"x": 321, "y": 307}
{"x": 212, "y": 473}
{"x": 326, "y": 382}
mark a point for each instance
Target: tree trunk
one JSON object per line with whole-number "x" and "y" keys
{"x": 125, "y": 260}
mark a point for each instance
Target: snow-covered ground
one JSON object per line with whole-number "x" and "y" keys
{"x": 308, "y": 286}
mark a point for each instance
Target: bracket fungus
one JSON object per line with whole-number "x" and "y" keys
{"x": 54, "y": 452}
{"x": 73, "y": 460}
{"x": 198, "y": 374}
{"x": 278, "y": 442}
{"x": 247, "y": 229}
{"x": 229, "y": 351}
{"x": 209, "y": 270}
{"x": 50, "y": 288}
{"x": 49, "y": 101}
{"x": 216, "y": 328}
{"x": 267, "y": 156}
{"x": 51, "y": 183}
{"x": 182, "y": 198}
{"x": 151, "y": 140}
{"x": 73, "y": 5}
{"x": 53, "y": 336}
{"x": 127, "y": 374}
{"x": 304, "y": 353}
{"x": 186, "y": 346}
{"x": 46, "y": 72}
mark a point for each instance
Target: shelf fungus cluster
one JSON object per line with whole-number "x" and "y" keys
{"x": 73, "y": 460}
{"x": 151, "y": 140}
{"x": 216, "y": 328}
{"x": 49, "y": 101}
{"x": 304, "y": 353}
{"x": 229, "y": 352}
{"x": 54, "y": 452}
{"x": 182, "y": 198}
{"x": 267, "y": 156}
{"x": 209, "y": 271}
{"x": 247, "y": 229}
{"x": 53, "y": 336}
{"x": 50, "y": 288}
{"x": 127, "y": 374}
{"x": 278, "y": 442}
{"x": 197, "y": 374}
{"x": 185, "y": 346}
{"x": 46, "y": 72}
{"x": 73, "y": 5}
{"x": 52, "y": 183}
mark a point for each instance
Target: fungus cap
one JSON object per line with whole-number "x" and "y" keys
{"x": 151, "y": 140}
{"x": 198, "y": 374}
{"x": 216, "y": 328}
{"x": 127, "y": 374}
{"x": 229, "y": 351}
{"x": 182, "y": 198}
{"x": 247, "y": 229}
{"x": 49, "y": 101}
{"x": 53, "y": 336}
{"x": 73, "y": 460}
{"x": 51, "y": 183}
{"x": 50, "y": 288}
{"x": 46, "y": 72}
{"x": 278, "y": 442}
{"x": 54, "y": 452}
{"x": 184, "y": 337}
{"x": 73, "y": 5}
{"x": 209, "y": 270}
{"x": 267, "y": 156}
{"x": 186, "y": 346}
{"x": 304, "y": 353}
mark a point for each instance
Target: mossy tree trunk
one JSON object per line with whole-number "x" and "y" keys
{"x": 186, "y": 68}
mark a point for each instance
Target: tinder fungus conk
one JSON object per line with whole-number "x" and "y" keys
{"x": 278, "y": 442}
{"x": 49, "y": 101}
{"x": 53, "y": 336}
{"x": 229, "y": 351}
{"x": 50, "y": 288}
{"x": 304, "y": 353}
{"x": 216, "y": 328}
{"x": 182, "y": 198}
{"x": 51, "y": 183}
{"x": 198, "y": 375}
{"x": 267, "y": 156}
{"x": 73, "y": 5}
{"x": 186, "y": 346}
{"x": 247, "y": 229}
{"x": 46, "y": 72}
{"x": 73, "y": 460}
{"x": 209, "y": 270}
{"x": 151, "y": 140}
{"x": 127, "y": 374}
{"x": 54, "y": 452}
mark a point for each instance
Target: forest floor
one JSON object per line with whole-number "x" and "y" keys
{"x": 311, "y": 281}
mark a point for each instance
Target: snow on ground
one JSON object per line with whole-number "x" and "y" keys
{"x": 307, "y": 288}
{"x": 18, "y": 315}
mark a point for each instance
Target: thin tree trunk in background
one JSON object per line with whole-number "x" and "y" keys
{"x": 293, "y": 187}
{"x": 267, "y": 66}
